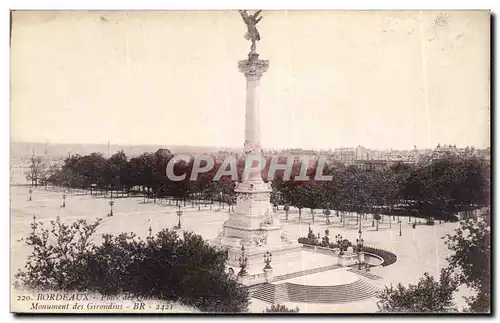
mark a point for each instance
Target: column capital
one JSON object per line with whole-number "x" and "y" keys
{"x": 253, "y": 67}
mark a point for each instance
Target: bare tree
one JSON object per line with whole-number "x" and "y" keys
{"x": 35, "y": 171}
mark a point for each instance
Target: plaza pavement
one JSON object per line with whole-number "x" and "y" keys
{"x": 418, "y": 250}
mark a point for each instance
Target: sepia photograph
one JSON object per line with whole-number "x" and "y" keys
{"x": 250, "y": 161}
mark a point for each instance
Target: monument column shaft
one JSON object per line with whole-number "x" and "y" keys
{"x": 252, "y": 68}
{"x": 252, "y": 124}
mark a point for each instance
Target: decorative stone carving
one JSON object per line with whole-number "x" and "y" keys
{"x": 284, "y": 237}
{"x": 258, "y": 239}
{"x": 249, "y": 147}
{"x": 220, "y": 235}
{"x": 245, "y": 196}
{"x": 268, "y": 219}
{"x": 253, "y": 67}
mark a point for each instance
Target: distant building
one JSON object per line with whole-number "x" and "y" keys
{"x": 372, "y": 164}
{"x": 345, "y": 155}
{"x": 362, "y": 153}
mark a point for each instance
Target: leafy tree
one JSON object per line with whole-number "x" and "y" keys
{"x": 58, "y": 259}
{"x": 299, "y": 196}
{"x": 286, "y": 208}
{"x": 471, "y": 259}
{"x": 49, "y": 173}
{"x": 377, "y": 218}
{"x": 427, "y": 296}
{"x": 115, "y": 170}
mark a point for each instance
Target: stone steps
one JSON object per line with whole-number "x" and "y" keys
{"x": 280, "y": 294}
{"x": 364, "y": 274}
{"x": 303, "y": 273}
{"x": 338, "y": 294}
{"x": 266, "y": 292}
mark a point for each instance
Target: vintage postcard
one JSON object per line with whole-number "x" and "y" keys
{"x": 250, "y": 161}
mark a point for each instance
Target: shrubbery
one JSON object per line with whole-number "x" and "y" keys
{"x": 314, "y": 240}
{"x": 167, "y": 267}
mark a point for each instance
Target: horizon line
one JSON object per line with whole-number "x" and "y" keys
{"x": 232, "y": 147}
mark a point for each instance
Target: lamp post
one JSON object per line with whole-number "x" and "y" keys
{"x": 179, "y": 214}
{"x": 243, "y": 261}
{"x": 111, "y": 203}
{"x": 64, "y": 200}
{"x": 339, "y": 239}
{"x": 359, "y": 244}
{"x": 399, "y": 228}
{"x": 267, "y": 260}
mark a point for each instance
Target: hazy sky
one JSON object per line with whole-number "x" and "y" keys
{"x": 378, "y": 79}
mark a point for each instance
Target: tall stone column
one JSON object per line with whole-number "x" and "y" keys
{"x": 253, "y": 68}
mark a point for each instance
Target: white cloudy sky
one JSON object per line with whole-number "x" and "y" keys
{"x": 379, "y": 79}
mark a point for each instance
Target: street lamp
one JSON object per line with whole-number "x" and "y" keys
{"x": 267, "y": 260}
{"x": 111, "y": 203}
{"x": 179, "y": 214}
{"x": 359, "y": 244}
{"x": 64, "y": 200}
{"x": 339, "y": 239}
{"x": 243, "y": 261}
{"x": 399, "y": 227}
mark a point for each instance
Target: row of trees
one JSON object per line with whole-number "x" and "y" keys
{"x": 435, "y": 188}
